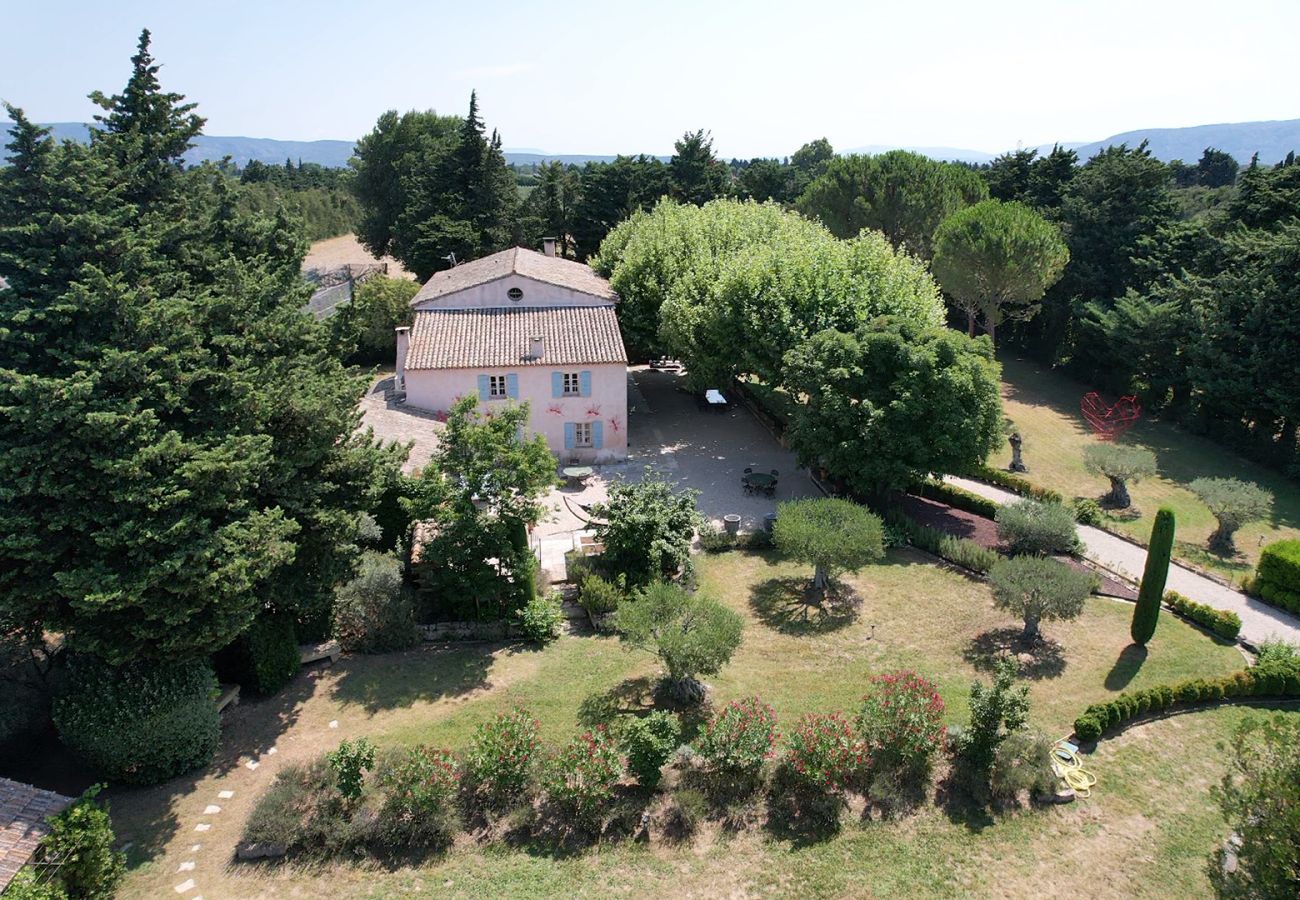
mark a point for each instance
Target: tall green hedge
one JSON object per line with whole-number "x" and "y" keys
{"x": 142, "y": 722}
{"x": 264, "y": 658}
{"x": 1279, "y": 679}
{"x": 1224, "y": 623}
{"x": 1154, "y": 575}
{"x": 1277, "y": 580}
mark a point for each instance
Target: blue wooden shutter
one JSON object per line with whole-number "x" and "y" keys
{"x": 512, "y": 386}
{"x": 557, "y": 384}
{"x": 482, "y": 388}
{"x": 597, "y": 434}
{"x": 569, "y": 438}
{"x": 585, "y": 378}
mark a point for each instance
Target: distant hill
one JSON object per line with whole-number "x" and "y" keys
{"x": 241, "y": 150}
{"x": 944, "y": 154}
{"x": 1271, "y": 140}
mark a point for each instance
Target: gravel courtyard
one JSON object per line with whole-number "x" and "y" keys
{"x": 668, "y": 432}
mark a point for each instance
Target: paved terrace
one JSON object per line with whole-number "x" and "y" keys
{"x": 696, "y": 448}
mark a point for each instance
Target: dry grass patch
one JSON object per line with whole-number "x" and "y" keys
{"x": 1045, "y": 408}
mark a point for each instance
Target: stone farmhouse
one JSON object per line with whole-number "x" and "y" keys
{"x": 522, "y": 326}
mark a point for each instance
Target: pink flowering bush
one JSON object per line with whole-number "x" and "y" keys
{"x": 825, "y": 752}
{"x": 740, "y": 738}
{"x": 582, "y": 774}
{"x": 900, "y": 722}
{"x": 504, "y": 757}
{"x": 421, "y": 805}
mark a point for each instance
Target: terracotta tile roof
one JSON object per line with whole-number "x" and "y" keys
{"x": 23, "y": 809}
{"x": 575, "y": 276}
{"x": 487, "y": 338}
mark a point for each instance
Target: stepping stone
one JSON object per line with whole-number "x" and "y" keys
{"x": 334, "y": 723}
{"x": 272, "y": 751}
{"x": 186, "y": 866}
{"x": 225, "y": 795}
{"x": 202, "y": 826}
{"x": 186, "y": 885}
{"x": 251, "y": 764}
{"x": 211, "y": 810}
{"x": 196, "y": 848}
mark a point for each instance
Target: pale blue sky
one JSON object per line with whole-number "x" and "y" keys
{"x": 615, "y": 76}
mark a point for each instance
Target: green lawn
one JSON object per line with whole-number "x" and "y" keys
{"x": 1150, "y": 825}
{"x": 1045, "y": 408}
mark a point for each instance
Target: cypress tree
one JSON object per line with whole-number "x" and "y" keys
{"x": 1152, "y": 590}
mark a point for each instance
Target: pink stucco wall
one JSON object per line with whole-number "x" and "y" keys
{"x": 438, "y": 389}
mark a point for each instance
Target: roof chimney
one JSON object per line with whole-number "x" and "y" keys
{"x": 535, "y": 347}
{"x": 548, "y": 246}
{"x": 403, "y": 344}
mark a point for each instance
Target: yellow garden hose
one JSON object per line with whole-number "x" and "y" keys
{"x": 1067, "y": 766}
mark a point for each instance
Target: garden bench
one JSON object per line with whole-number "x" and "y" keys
{"x": 327, "y": 650}
{"x": 229, "y": 696}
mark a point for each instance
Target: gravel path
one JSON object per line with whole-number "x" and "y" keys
{"x": 1259, "y": 621}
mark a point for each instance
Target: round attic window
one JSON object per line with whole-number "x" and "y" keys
{"x": 515, "y": 294}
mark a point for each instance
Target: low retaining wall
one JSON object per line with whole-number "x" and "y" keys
{"x": 470, "y": 631}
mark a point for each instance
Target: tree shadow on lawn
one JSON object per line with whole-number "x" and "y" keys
{"x": 426, "y": 673}
{"x": 1127, "y": 664}
{"x": 146, "y": 816}
{"x": 788, "y": 605}
{"x": 639, "y": 697}
{"x": 1043, "y": 658}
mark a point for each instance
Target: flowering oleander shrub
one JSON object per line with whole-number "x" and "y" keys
{"x": 740, "y": 738}
{"x": 825, "y": 752}
{"x": 900, "y": 721}
{"x": 582, "y": 774}
{"x": 504, "y": 756}
{"x": 421, "y": 805}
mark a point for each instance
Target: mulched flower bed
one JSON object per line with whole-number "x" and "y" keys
{"x": 963, "y": 524}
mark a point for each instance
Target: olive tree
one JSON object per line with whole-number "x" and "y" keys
{"x": 1233, "y": 503}
{"x": 1037, "y": 589}
{"x": 832, "y": 535}
{"x": 692, "y": 634}
{"x": 1121, "y": 465}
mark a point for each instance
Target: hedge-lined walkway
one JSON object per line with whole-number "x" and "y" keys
{"x": 1259, "y": 621}
{"x": 963, "y": 524}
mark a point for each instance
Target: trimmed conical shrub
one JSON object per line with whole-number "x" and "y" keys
{"x": 1154, "y": 575}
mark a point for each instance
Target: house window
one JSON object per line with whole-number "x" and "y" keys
{"x": 582, "y": 434}
{"x": 497, "y": 387}
{"x": 515, "y": 294}
{"x": 572, "y": 385}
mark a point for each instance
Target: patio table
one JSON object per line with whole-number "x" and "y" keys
{"x": 759, "y": 481}
{"x": 576, "y": 474}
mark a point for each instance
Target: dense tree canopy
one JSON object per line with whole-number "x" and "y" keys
{"x": 697, "y": 175}
{"x": 176, "y": 442}
{"x": 996, "y": 260}
{"x": 730, "y": 287}
{"x": 433, "y": 188}
{"x": 903, "y": 194}
{"x": 893, "y": 402}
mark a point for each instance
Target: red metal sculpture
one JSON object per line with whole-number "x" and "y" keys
{"x": 1109, "y": 422}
